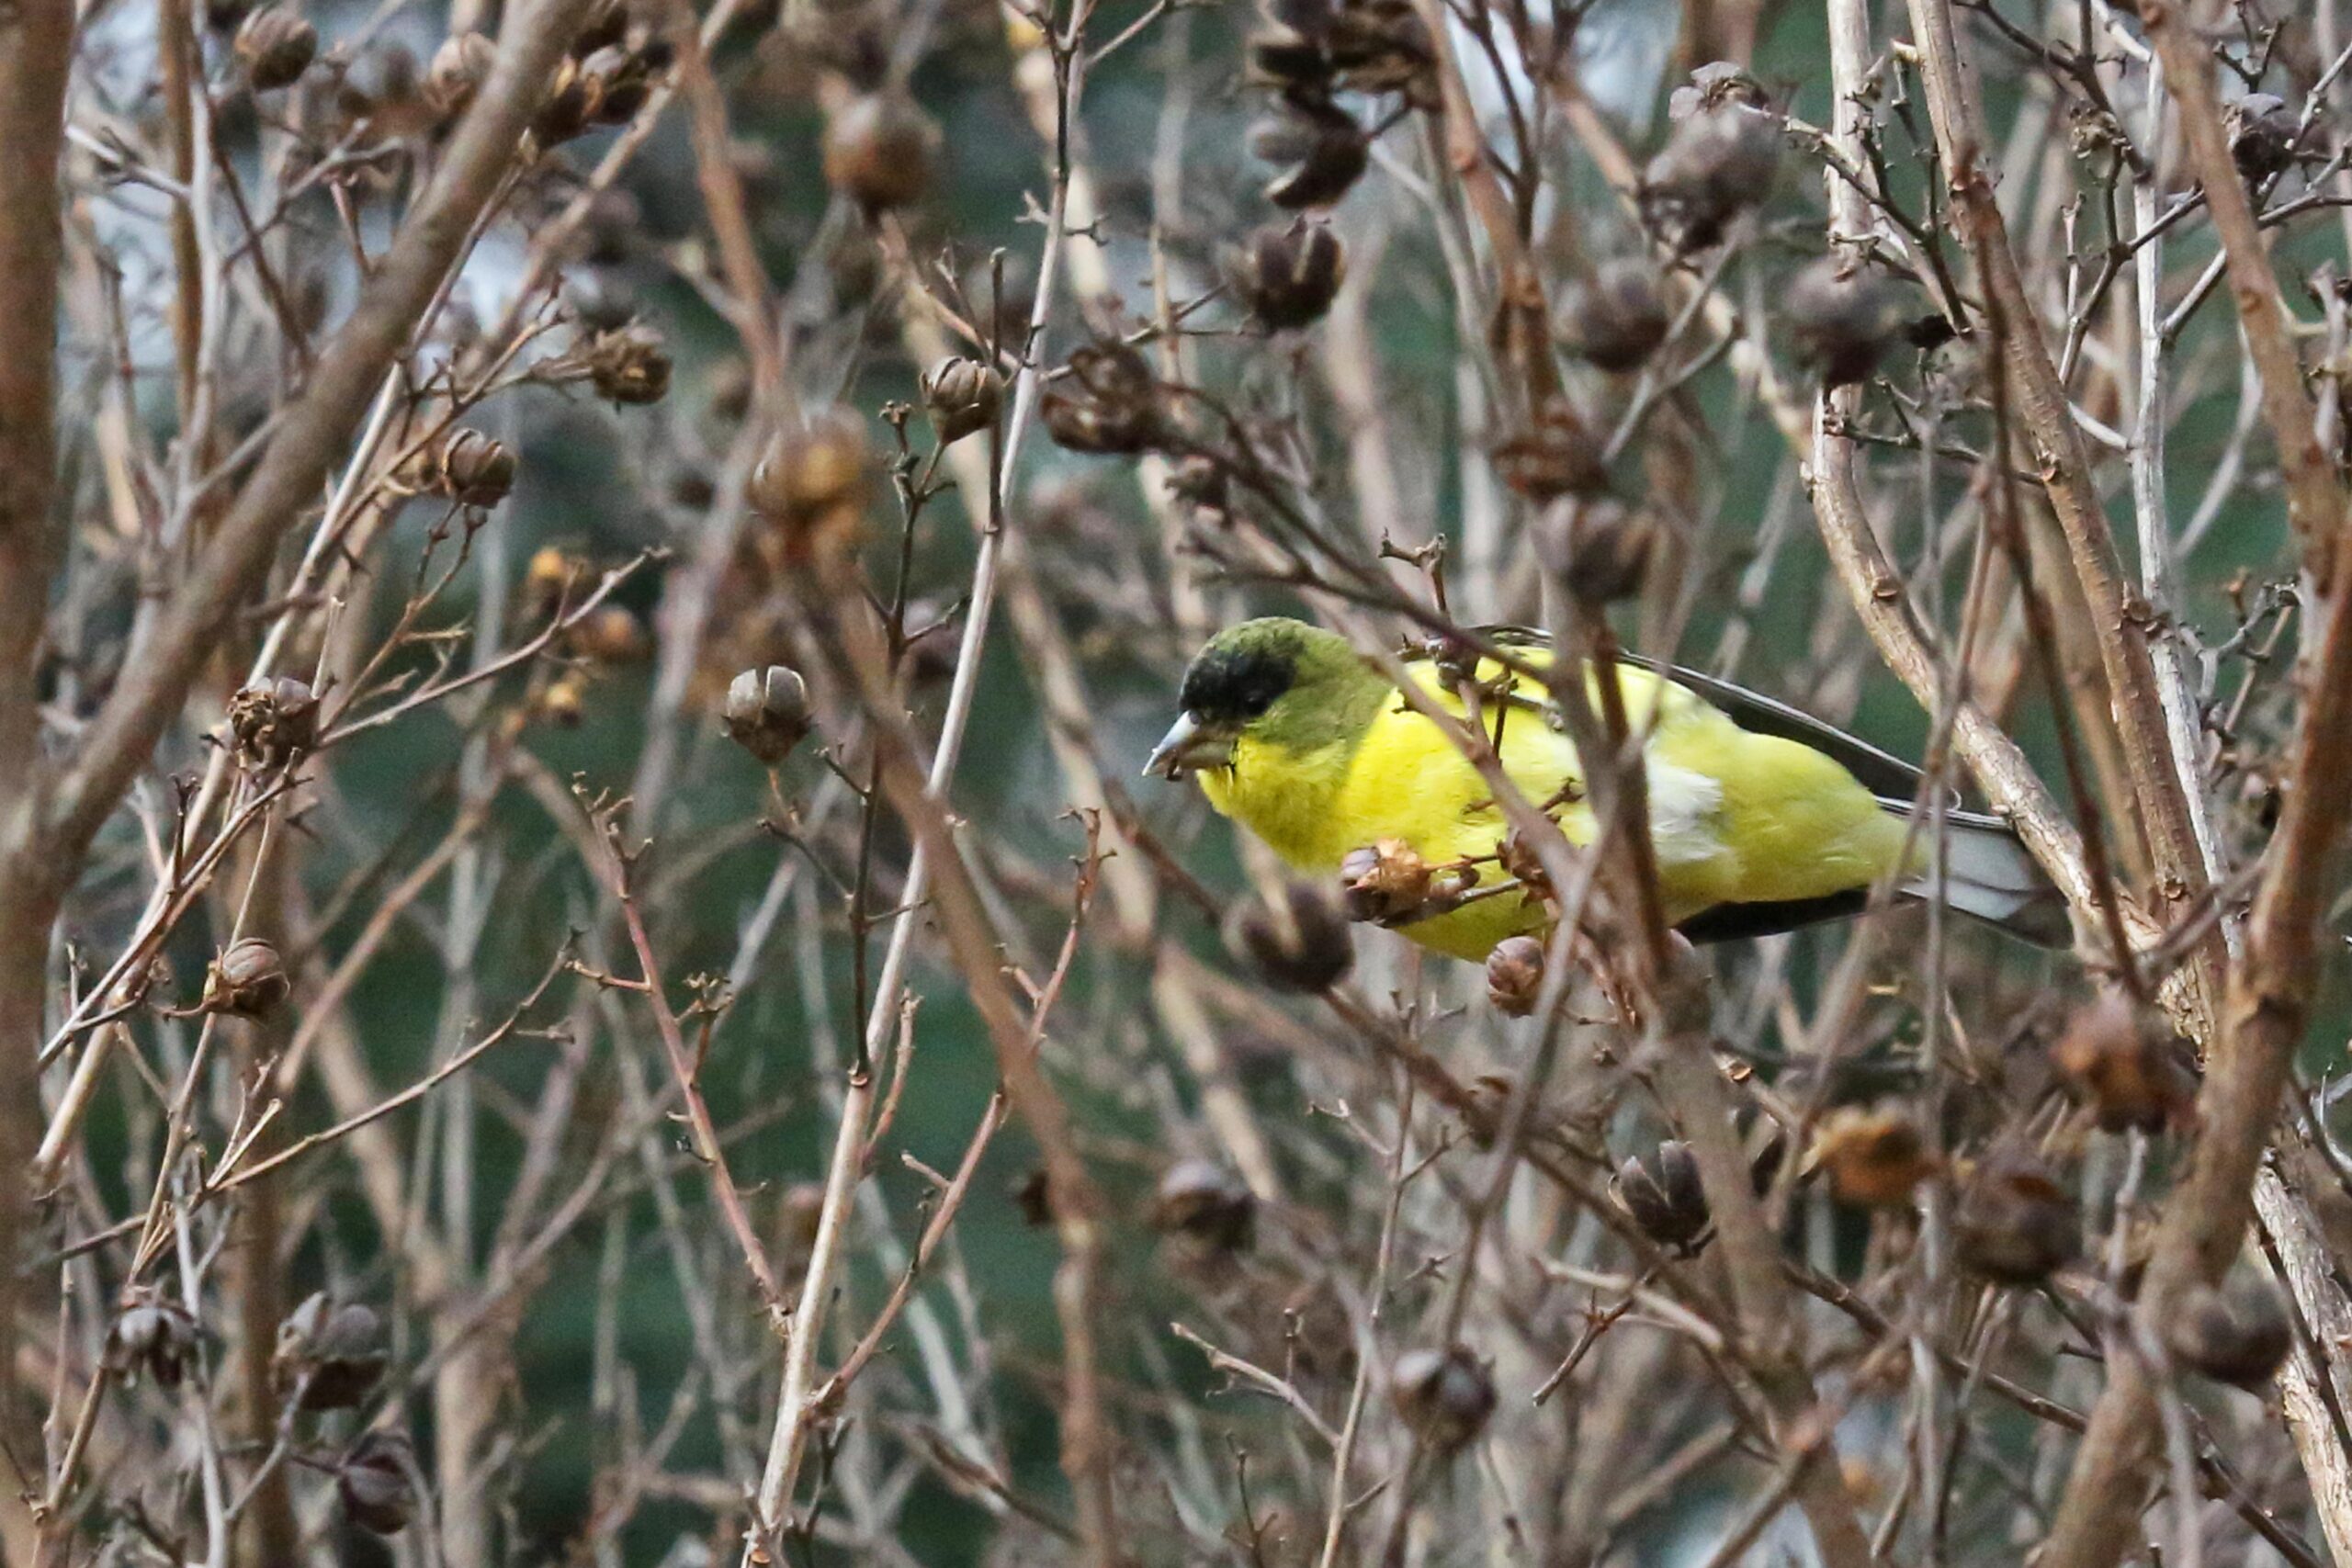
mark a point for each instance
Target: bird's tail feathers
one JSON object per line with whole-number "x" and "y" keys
{"x": 1987, "y": 874}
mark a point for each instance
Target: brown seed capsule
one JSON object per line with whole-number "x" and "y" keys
{"x": 1291, "y": 58}
{"x": 631, "y": 366}
{"x": 2122, "y": 1059}
{"x": 810, "y": 485}
{"x": 151, "y": 1335}
{"x": 563, "y": 702}
{"x": 1287, "y": 277}
{"x": 1299, "y": 941}
{"x": 612, "y": 636}
{"x": 1200, "y": 481}
{"x": 275, "y": 45}
{"x": 373, "y": 1482}
{"x": 1382, "y": 46}
{"x": 1205, "y": 1204}
{"x": 1711, "y": 86}
{"x": 1390, "y": 884}
{"x": 459, "y": 67}
{"x": 1108, "y": 401}
{"x": 1515, "y": 975}
{"x": 329, "y": 1357}
{"x": 1554, "y": 455}
{"x": 767, "y": 711}
{"x": 1616, "y": 317}
{"x": 962, "y": 397}
{"x": 1843, "y": 316}
{"x": 2014, "y": 1225}
{"x": 475, "y": 470}
{"x": 1874, "y": 1157}
{"x": 569, "y": 108}
{"x": 2235, "y": 1333}
{"x": 1664, "y": 1197}
{"x": 1445, "y": 1396}
{"x": 2263, "y": 131}
{"x": 1717, "y": 162}
{"x": 878, "y": 150}
{"x": 1033, "y": 1195}
{"x": 249, "y": 980}
{"x": 618, "y": 84}
{"x": 274, "y": 721}
{"x": 1597, "y": 546}
{"x": 1317, "y": 151}
{"x": 547, "y": 581}
{"x": 800, "y": 1212}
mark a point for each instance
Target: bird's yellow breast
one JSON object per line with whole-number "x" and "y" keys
{"x": 1734, "y": 817}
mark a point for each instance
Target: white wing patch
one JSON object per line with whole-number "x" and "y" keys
{"x": 1684, "y": 807}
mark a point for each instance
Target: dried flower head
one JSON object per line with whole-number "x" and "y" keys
{"x": 329, "y": 1357}
{"x": 1445, "y": 1396}
{"x": 2015, "y": 1225}
{"x": 1204, "y": 1205}
{"x": 1556, "y": 454}
{"x": 1297, "y": 939}
{"x": 962, "y": 397}
{"x": 767, "y": 711}
{"x": 1515, "y": 975}
{"x": 1107, "y": 401}
{"x": 1316, "y": 148}
{"x": 810, "y": 487}
{"x": 548, "y": 580}
{"x": 275, "y": 45}
{"x": 1874, "y": 1156}
{"x": 249, "y": 980}
{"x": 1389, "y": 882}
{"x": 271, "y": 722}
{"x": 1664, "y": 1197}
{"x": 1597, "y": 546}
{"x": 2122, "y": 1058}
{"x": 878, "y": 150}
{"x": 630, "y": 366}
{"x": 1718, "y": 161}
{"x": 1288, "y": 275}
{"x": 1616, "y": 317}
{"x": 562, "y": 702}
{"x": 612, "y": 636}
{"x": 2263, "y": 131}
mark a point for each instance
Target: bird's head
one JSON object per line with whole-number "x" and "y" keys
{"x": 1274, "y": 681}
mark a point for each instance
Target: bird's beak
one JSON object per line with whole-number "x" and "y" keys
{"x": 1188, "y": 746}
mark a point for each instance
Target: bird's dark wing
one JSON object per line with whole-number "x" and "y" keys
{"x": 1735, "y": 923}
{"x": 1878, "y": 772}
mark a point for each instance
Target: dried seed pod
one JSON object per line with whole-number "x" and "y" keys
{"x": 1382, "y": 46}
{"x": 878, "y": 150}
{"x": 1616, "y": 317}
{"x": 1291, "y": 58}
{"x": 1714, "y": 84}
{"x": 1445, "y": 1396}
{"x": 1843, "y": 316}
{"x": 2237, "y": 1333}
{"x": 1033, "y": 1195}
{"x": 1664, "y": 1198}
{"x": 547, "y": 581}
{"x": 962, "y": 397}
{"x": 374, "y": 1483}
{"x": 1515, "y": 975}
{"x": 274, "y": 721}
{"x": 1717, "y": 162}
{"x": 222, "y": 16}
{"x": 1554, "y": 455}
{"x": 249, "y": 980}
{"x": 618, "y": 84}
{"x": 2014, "y": 1225}
{"x": 1389, "y": 882}
{"x": 1108, "y": 401}
{"x": 1200, "y": 481}
{"x": 151, "y": 1336}
{"x": 1874, "y": 1157}
{"x": 2263, "y": 131}
{"x": 458, "y": 69}
{"x": 275, "y": 45}
{"x": 476, "y": 470}
{"x": 329, "y": 1357}
{"x": 1205, "y": 1204}
{"x": 1297, "y": 940}
{"x": 810, "y": 485}
{"x": 631, "y": 366}
{"x": 767, "y": 711}
{"x": 800, "y": 1213}
{"x": 1321, "y": 1337}
{"x": 2122, "y": 1059}
{"x": 1316, "y": 148}
{"x": 612, "y": 636}
{"x": 563, "y": 702}
{"x": 569, "y": 108}
{"x": 1597, "y": 546}
{"x": 1288, "y": 276}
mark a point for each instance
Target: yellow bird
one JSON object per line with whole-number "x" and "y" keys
{"x": 1763, "y": 817}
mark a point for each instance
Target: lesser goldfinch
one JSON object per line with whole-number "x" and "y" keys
{"x": 1763, "y": 817}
